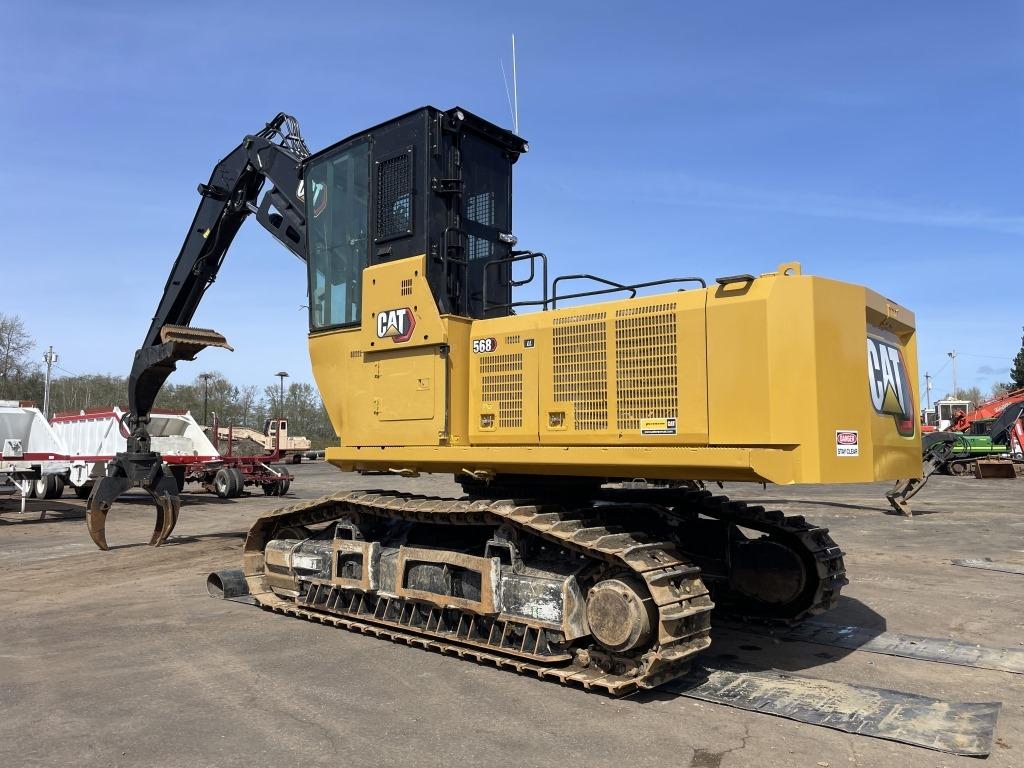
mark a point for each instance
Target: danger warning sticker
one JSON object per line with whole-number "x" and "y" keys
{"x": 658, "y": 426}
{"x": 847, "y": 442}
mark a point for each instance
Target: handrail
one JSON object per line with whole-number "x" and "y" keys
{"x": 612, "y": 286}
{"x": 518, "y": 256}
{"x": 616, "y": 287}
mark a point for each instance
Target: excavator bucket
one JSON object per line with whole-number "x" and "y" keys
{"x": 1001, "y": 468}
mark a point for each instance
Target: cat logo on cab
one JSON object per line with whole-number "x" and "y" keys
{"x": 396, "y": 324}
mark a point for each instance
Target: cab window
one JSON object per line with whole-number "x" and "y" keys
{"x": 337, "y": 193}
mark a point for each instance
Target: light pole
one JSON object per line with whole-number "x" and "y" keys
{"x": 952, "y": 356}
{"x": 206, "y": 394}
{"x": 49, "y": 358}
{"x": 282, "y": 375}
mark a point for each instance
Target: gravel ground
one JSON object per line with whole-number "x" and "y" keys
{"x": 119, "y": 658}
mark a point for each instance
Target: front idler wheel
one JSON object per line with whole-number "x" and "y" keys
{"x": 620, "y": 613}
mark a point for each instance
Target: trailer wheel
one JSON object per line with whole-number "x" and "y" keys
{"x": 239, "y": 478}
{"x": 224, "y": 483}
{"x": 48, "y": 487}
{"x": 83, "y": 491}
{"x": 283, "y": 485}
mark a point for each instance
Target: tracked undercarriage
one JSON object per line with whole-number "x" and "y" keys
{"x": 614, "y": 594}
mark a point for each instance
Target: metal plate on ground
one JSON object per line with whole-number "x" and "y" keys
{"x": 990, "y": 565}
{"x": 910, "y": 646}
{"x": 957, "y": 728}
{"x": 244, "y": 599}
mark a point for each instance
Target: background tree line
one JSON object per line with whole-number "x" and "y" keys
{"x": 21, "y": 378}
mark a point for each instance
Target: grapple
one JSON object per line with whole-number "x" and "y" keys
{"x": 107, "y": 489}
{"x": 937, "y": 448}
{"x": 140, "y": 466}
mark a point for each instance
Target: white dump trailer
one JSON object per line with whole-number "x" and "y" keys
{"x": 33, "y": 458}
{"x": 94, "y": 436}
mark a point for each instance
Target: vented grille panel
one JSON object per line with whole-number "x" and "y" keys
{"x": 407, "y": 287}
{"x": 394, "y": 196}
{"x": 480, "y": 208}
{"x": 646, "y": 364}
{"x": 501, "y": 379}
{"x": 579, "y": 357}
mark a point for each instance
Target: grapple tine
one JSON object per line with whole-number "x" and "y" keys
{"x": 96, "y": 522}
{"x": 158, "y": 529}
{"x": 898, "y": 499}
{"x": 176, "y": 509}
{"x": 104, "y": 492}
{"x": 167, "y": 507}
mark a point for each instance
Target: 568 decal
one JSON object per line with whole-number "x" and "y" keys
{"x": 484, "y": 345}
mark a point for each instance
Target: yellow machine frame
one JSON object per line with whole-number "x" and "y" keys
{"x": 760, "y": 379}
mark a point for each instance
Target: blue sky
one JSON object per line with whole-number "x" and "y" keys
{"x": 876, "y": 142}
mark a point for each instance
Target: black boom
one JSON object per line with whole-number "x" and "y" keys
{"x": 232, "y": 193}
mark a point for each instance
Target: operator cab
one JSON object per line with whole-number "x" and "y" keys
{"x": 428, "y": 182}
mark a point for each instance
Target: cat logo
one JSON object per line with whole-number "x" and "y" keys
{"x": 395, "y": 324}
{"x": 889, "y": 385}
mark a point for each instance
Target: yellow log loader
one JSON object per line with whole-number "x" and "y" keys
{"x": 555, "y": 561}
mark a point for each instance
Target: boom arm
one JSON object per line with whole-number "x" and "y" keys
{"x": 275, "y": 153}
{"x": 227, "y": 200}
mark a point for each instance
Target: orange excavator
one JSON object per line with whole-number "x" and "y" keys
{"x": 985, "y": 413}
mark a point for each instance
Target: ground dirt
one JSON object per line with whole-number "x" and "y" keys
{"x": 120, "y": 658}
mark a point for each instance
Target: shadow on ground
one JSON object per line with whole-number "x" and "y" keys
{"x": 754, "y": 647}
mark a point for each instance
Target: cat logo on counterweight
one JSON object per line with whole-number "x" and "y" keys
{"x": 889, "y": 385}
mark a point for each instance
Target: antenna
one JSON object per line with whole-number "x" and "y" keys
{"x": 515, "y": 89}
{"x": 508, "y": 95}
{"x": 513, "y": 97}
